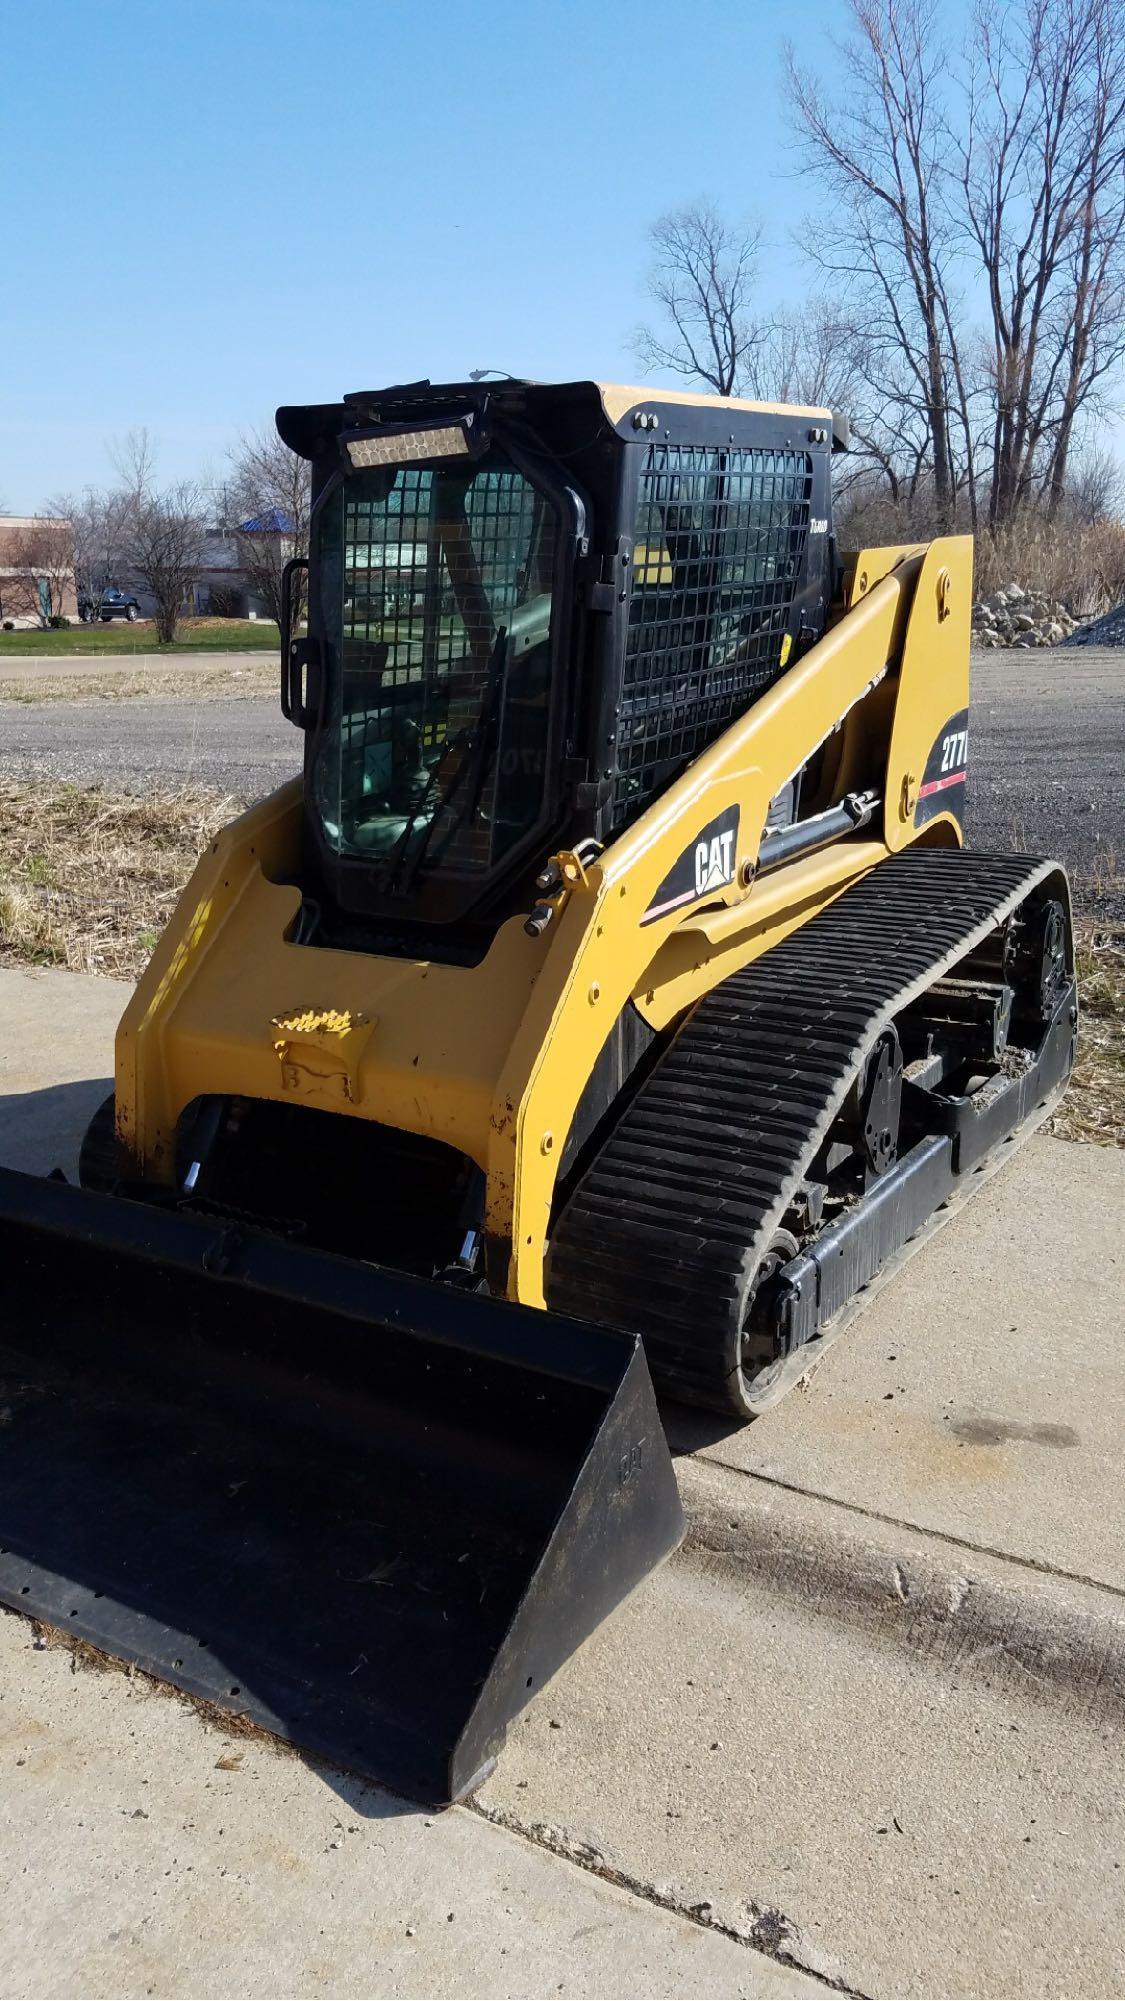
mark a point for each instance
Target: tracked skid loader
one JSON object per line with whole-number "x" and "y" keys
{"x": 611, "y": 1005}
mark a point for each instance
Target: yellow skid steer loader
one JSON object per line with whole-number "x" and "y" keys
{"x": 611, "y": 1004}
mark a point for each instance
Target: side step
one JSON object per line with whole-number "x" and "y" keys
{"x": 373, "y": 1514}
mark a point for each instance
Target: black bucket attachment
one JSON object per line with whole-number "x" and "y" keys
{"x": 371, "y": 1513}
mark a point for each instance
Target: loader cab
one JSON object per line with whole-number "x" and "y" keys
{"x": 529, "y": 607}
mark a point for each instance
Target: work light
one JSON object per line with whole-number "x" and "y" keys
{"x": 408, "y": 445}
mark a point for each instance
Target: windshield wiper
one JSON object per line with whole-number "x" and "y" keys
{"x": 390, "y": 869}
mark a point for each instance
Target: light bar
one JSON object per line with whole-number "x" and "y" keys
{"x": 396, "y": 448}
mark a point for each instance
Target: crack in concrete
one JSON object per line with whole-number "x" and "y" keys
{"x": 947, "y": 1536}
{"x": 767, "y": 1934}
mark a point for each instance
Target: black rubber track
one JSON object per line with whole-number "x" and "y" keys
{"x": 667, "y": 1227}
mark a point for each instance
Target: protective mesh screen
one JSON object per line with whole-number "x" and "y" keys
{"x": 430, "y": 572}
{"x": 719, "y": 553}
{"x": 435, "y": 567}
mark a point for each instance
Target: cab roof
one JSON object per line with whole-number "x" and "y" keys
{"x": 312, "y": 428}
{"x": 619, "y": 399}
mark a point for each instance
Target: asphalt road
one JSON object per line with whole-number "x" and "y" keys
{"x": 1045, "y": 764}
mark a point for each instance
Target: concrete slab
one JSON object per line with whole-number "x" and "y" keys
{"x": 982, "y": 1394}
{"x": 142, "y": 1852}
{"x": 871, "y": 1722}
{"x": 906, "y": 1811}
{"x": 838, "y": 1708}
{"x": 56, "y": 1062}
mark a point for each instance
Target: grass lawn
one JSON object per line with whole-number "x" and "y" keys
{"x": 193, "y": 635}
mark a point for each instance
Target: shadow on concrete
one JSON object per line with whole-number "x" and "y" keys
{"x": 688, "y": 1429}
{"x": 39, "y": 1131}
{"x": 42, "y": 1130}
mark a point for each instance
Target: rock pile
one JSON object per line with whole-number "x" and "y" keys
{"x": 1109, "y": 630}
{"x": 1015, "y": 617}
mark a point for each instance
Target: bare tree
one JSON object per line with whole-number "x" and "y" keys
{"x": 813, "y": 354}
{"x": 805, "y": 355}
{"x": 1042, "y": 182}
{"x": 134, "y": 461}
{"x": 1095, "y": 489}
{"x": 97, "y": 522}
{"x": 162, "y": 534}
{"x": 267, "y": 500}
{"x": 39, "y": 560}
{"x": 881, "y": 148}
{"x": 702, "y": 279}
{"x": 998, "y": 184}
{"x": 827, "y": 352}
{"x": 1095, "y": 345}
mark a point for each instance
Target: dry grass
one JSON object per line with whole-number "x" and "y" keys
{"x": 1094, "y": 1106}
{"x": 178, "y": 682}
{"x": 89, "y": 877}
{"x": 1079, "y": 565}
{"x": 1097, "y": 885}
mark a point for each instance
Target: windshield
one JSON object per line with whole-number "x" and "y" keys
{"x": 436, "y": 598}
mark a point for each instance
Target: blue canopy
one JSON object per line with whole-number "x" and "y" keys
{"x": 274, "y": 521}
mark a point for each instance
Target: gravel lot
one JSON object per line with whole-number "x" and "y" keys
{"x": 1048, "y": 750}
{"x": 242, "y": 747}
{"x": 1047, "y": 761}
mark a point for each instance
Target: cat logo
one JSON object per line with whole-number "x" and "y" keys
{"x": 714, "y": 863}
{"x": 706, "y": 864}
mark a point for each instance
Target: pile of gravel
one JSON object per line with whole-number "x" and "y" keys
{"x": 1109, "y": 630}
{"x": 1015, "y": 617}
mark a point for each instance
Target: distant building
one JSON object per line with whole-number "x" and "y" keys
{"x": 36, "y": 569}
{"x": 223, "y": 587}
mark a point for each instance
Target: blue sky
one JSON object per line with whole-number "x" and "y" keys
{"x": 213, "y": 206}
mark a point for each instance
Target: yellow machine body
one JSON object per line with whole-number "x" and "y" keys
{"x": 492, "y": 1059}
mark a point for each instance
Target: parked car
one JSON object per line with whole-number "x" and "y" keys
{"x": 113, "y": 604}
